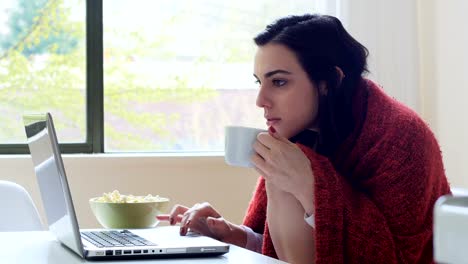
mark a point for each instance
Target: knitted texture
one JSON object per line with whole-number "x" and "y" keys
{"x": 374, "y": 201}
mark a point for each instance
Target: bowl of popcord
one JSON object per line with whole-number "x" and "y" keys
{"x": 115, "y": 210}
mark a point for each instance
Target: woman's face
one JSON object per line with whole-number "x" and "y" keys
{"x": 288, "y": 97}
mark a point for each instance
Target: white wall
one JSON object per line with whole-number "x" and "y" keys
{"x": 444, "y": 80}
{"x": 185, "y": 180}
{"x": 388, "y": 29}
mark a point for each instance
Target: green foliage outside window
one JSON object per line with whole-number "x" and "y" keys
{"x": 41, "y": 65}
{"x": 41, "y": 32}
{"x": 43, "y": 68}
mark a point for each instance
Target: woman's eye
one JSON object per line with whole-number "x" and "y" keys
{"x": 279, "y": 83}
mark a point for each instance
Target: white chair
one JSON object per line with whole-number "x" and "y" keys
{"x": 17, "y": 209}
{"x": 458, "y": 191}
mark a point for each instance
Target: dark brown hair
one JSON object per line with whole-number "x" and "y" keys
{"x": 321, "y": 44}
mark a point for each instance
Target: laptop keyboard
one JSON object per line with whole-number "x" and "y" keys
{"x": 122, "y": 238}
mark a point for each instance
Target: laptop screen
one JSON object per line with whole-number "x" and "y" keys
{"x": 51, "y": 179}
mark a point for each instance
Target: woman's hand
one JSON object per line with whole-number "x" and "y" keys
{"x": 283, "y": 164}
{"x": 204, "y": 219}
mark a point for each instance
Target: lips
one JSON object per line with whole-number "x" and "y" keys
{"x": 272, "y": 121}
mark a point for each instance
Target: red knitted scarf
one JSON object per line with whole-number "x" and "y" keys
{"x": 379, "y": 210}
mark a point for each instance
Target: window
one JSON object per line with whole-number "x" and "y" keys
{"x": 134, "y": 76}
{"x": 42, "y": 68}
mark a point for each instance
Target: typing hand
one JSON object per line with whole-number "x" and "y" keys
{"x": 204, "y": 219}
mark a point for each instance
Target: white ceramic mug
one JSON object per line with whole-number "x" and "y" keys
{"x": 238, "y": 145}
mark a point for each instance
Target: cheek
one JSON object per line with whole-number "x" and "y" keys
{"x": 306, "y": 110}
{"x": 308, "y": 116}
{"x": 300, "y": 116}
{"x": 313, "y": 116}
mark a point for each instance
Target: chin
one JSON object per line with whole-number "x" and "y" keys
{"x": 284, "y": 133}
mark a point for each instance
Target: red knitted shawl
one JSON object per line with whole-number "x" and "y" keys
{"x": 381, "y": 211}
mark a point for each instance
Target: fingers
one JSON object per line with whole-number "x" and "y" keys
{"x": 201, "y": 218}
{"x": 267, "y": 140}
{"x": 271, "y": 138}
{"x": 195, "y": 217}
{"x": 166, "y": 217}
{"x": 187, "y": 218}
{"x": 261, "y": 172}
{"x": 271, "y": 141}
{"x": 272, "y": 132}
{"x": 257, "y": 160}
{"x": 261, "y": 165}
{"x": 195, "y": 213}
{"x": 261, "y": 149}
{"x": 176, "y": 213}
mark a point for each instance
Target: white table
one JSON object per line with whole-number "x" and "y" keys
{"x": 42, "y": 247}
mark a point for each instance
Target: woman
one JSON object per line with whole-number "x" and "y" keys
{"x": 348, "y": 174}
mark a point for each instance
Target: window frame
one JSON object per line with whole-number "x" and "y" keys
{"x": 94, "y": 142}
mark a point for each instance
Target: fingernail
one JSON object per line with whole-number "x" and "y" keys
{"x": 184, "y": 228}
{"x": 272, "y": 129}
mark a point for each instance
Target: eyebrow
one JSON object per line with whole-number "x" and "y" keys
{"x": 271, "y": 73}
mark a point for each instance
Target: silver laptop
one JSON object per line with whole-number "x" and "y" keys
{"x": 158, "y": 242}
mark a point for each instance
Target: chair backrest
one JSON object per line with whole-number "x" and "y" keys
{"x": 18, "y": 212}
{"x": 458, "y": 191}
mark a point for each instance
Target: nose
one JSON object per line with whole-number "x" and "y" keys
{"x": 263, "y": 99}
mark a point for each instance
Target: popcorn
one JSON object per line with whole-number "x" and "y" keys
{"x": 116, "y": 197}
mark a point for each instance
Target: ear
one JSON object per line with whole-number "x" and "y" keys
{"x": 322, "y": 86}
{"x": 340, "y": 73}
